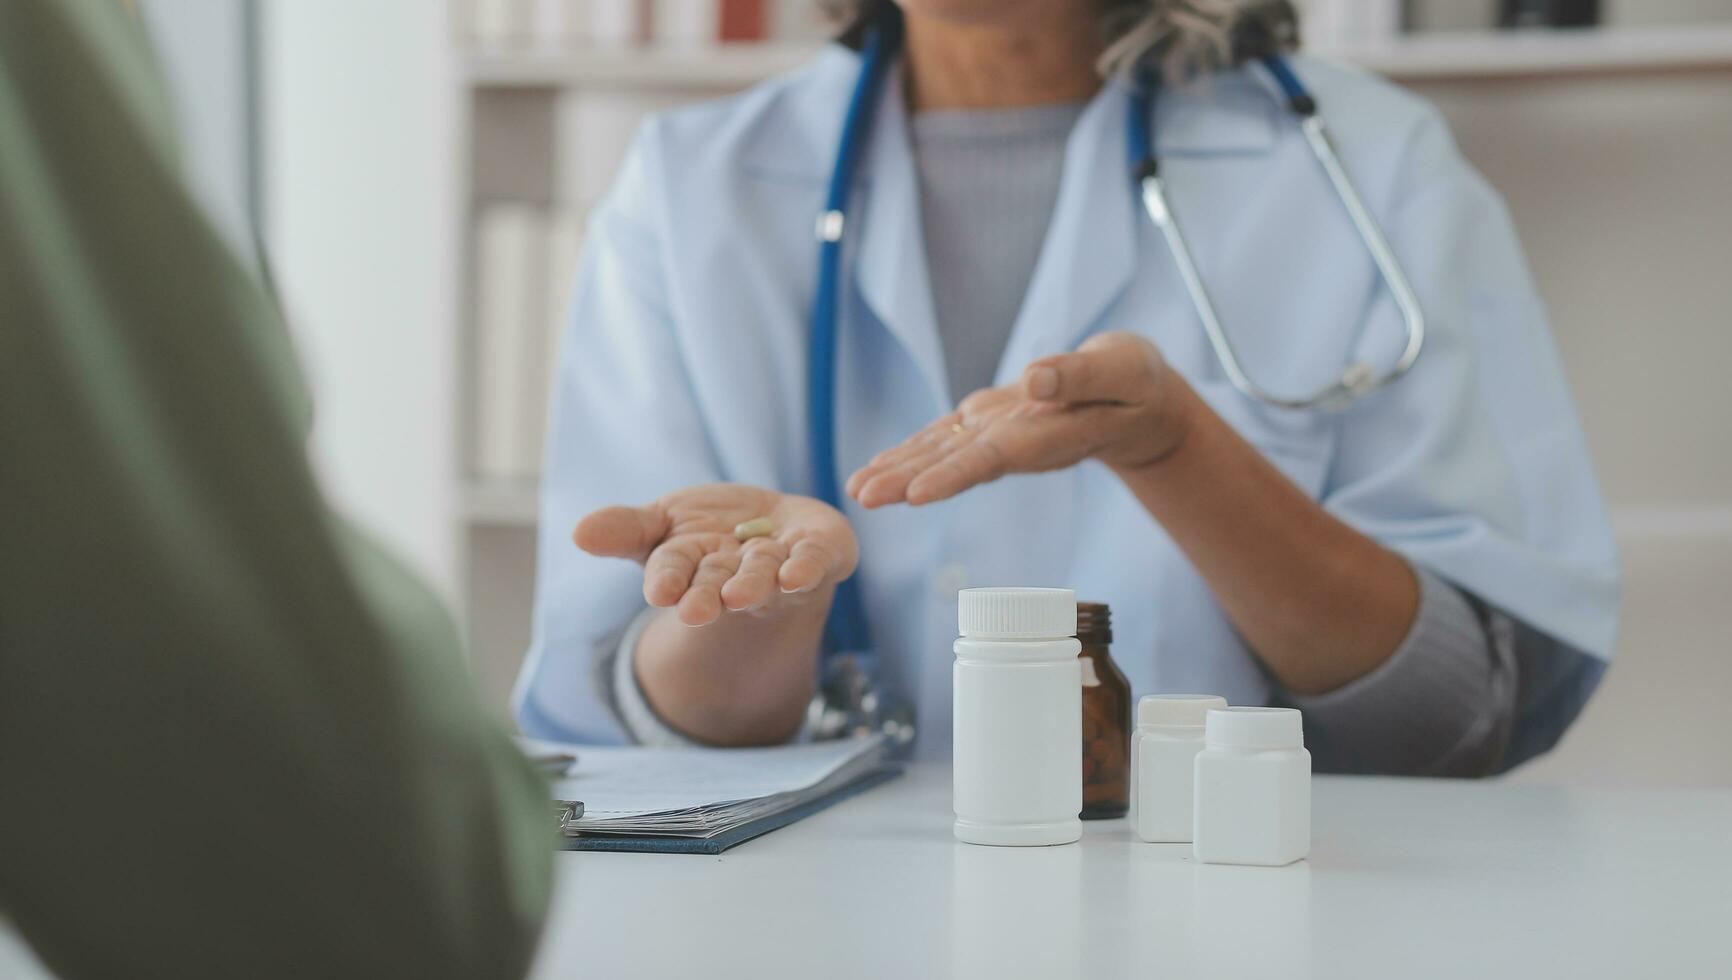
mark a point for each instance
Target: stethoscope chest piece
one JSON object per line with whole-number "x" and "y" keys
{"x": 847, "y": 704}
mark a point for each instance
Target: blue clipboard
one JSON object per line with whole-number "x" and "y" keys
{"x": 739, "y": 835}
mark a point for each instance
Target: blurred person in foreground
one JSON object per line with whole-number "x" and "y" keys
{"x": 237, "y": 739}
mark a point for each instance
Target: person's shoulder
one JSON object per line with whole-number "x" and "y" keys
{"x": 785, "y": 125}
{"x": 1349, "y": 95}
{"x": 1391, "y": 135}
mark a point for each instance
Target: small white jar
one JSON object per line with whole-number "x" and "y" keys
{"x": 1018, "y": 718}
{"x": 1169, "y": 736}
{"x": 1253, "y": 788}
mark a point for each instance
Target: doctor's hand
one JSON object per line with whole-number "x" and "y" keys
{"x": 693, "y": 562}
{"x": 1114, "y": 399}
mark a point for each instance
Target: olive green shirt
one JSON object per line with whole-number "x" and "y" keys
{"x": 237, "y": 739}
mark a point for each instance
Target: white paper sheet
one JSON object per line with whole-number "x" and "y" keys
{"x": 700, "y": 792}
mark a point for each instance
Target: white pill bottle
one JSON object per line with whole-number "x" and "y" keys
{"x": 1253, "y": 788}
{"x": 1169, "y": 735}
{"x": 1018, "y": 718}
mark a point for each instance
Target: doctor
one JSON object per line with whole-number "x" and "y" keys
{"x": 1426, "y": 569}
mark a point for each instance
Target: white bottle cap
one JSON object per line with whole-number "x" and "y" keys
{"x": 1254, "y": 728}
{"x": 1016, "y": 614}
{"x": 1177, "y": 710}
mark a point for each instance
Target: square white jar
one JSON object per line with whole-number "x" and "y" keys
{"x": 1253, "y": 788}
{"x": 1163, "y": 768}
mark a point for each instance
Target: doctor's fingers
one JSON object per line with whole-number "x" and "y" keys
{"x": 702, "y": 602}
{"x": 981, "y": 461}
{"x": 918, "y": 450}
{"x": 1113, "y": 367}
{"x": 928, "y": 438}
{"x": 810, "y": 563}
{"x": 755, "y": 581}
{"x": 887, "y": 482}
{"x": 1033, "y": 444}
{"x": 668, "y": 571}
{"x": 622, "y": 532}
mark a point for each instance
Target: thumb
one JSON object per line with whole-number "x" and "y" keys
{"x": 1113, "y": 367}
{"x": 622, "y": 532}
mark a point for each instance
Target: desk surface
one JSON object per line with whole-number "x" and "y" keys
{"x": 1406, "y": 878}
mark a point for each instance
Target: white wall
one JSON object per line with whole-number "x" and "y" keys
{"x": 202, "y": 47}
{"x": 360, "y": 179}
{"x": 1617, "y": 186}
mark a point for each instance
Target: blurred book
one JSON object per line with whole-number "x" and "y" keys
{"x": 801, "y": 20}
{"x": 1426, "y": 16}
{"x": 701, "y": 23}
{"x": 511, "y": 247}
{"x": 1549, "y": 13}
{"x": 743, "y": 21}
{"x": 617, "y": 23}
{"x": 561, "y": 25}
{"x": 526, "y": 269}
{"x": 498, "y": 24}
{"x": 1326, "y": 24}
{"x": 494, "y": 26}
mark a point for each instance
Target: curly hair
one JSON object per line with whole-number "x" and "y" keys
{"x": 1181, "y": 39}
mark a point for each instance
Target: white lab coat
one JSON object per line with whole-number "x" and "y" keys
{"x": 685, "y": 363}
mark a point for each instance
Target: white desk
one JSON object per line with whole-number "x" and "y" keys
{"x": 1407, "y": 878}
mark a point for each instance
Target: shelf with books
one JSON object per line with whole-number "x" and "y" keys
{"x": 1417, "y": 57}
{"x": 653, "y": 67}
{"x": 1540, "y": 53}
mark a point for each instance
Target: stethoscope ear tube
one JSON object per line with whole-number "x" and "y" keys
{"x": 1388, "y": 266}
{"x": 1358, "y": 378}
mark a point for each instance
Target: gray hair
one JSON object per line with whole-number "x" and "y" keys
{"x": 1182, "y": 39}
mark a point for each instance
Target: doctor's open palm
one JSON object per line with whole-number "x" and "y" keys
{"x": 693, "y": 562}
{"x": 1114, "y": 399}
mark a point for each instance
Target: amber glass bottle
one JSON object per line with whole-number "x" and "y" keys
{"x": 1106, "y": 712}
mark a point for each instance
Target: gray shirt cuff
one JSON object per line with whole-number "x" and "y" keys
{"x": 1443, "y": 704}
{"x": 640, "y": 721}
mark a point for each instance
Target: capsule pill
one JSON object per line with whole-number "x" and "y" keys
{"x": 757, "y": 527}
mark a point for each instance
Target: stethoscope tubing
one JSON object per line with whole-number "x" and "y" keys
{"x": 846, "y": 630}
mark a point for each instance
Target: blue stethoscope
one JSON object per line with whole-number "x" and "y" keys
{"x": 847, "y": 702}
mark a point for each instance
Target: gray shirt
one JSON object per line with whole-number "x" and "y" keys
{"x": 988, "y": 183}
{"x": 1444, "y": 703}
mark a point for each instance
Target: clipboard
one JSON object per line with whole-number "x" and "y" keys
{"x": 735, "y": 836}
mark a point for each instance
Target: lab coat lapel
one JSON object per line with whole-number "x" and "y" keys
{"x": 1091, "y": 251}
{"x": 1089, "y": 255}
{"x": 890, "y": 266}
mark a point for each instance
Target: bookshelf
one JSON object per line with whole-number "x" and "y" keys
{"x": 1542, "y": 54}
{"x": 1427, "y": 57}
{"x": 544, "y": 129}
{"x": 719, "y": 69}
{"x": 540, "y": 133}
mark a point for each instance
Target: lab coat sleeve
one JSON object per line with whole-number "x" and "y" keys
{"x": 626, "y": 428}
{"x": 1474, "y": 466}
{"x": 237, "y": 738}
